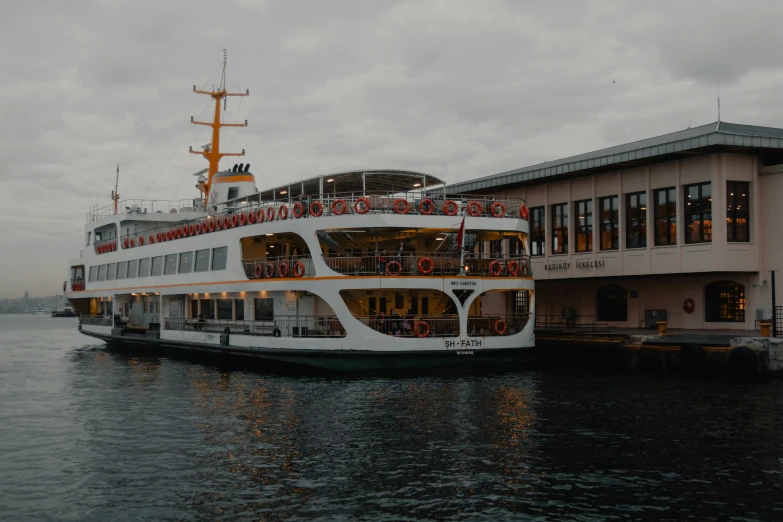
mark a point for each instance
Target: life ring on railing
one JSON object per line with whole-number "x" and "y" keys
{"x": 211, "y": 226}
{"x": 364, "y": 207}
{"x": 270, "y": 214}
{"x": 298, "y": 210}
{"x": 178, "y": 233}
{"x": 299, "y": 269}
{"x": 524, "y": 213}
{"x": 125, "y": 243}
{"x": 282, "y": 213}
{"x": 259, "y": 271}
{"x": 99, "y": 249}
{"x": 451, "y": 207}
{"x": 421, "y": 329}
{"x": 226, "y": 222}
{"x": 316, "y": 209}
{"x": 513, "y": 268}
{"x": 269, "y": 270}
{"x": 260, "y": 215}
{"x": 251, "y": 218}
{"x": 218, "y": 223}
{"x": 430, "y": 265}
{"x": 242, "y": 219}
{"x": 157, "y": 237}
{"x": 494, "y": 268}
{"x": 114, "y": 245}
{"x": 185, "y": 231}
{"x": 401, "y": 206}
{"x": 397, "y": 271}
{"x": 688, "y": 306}
{"x": 339, "y": 206}
{"x": 498, "y": 209}
{"x": 132, "y": 242}
{"x": 234, "y": 221}
{"x": 282, "y": 270}
{"x": 193, "y": 229}
{"x": 141, "y": 241}
{"x": 500, "y": 327}
{"x": 474, "y": 208}
{"x": 151, "y": 239}
{"x": 430, "y": 207}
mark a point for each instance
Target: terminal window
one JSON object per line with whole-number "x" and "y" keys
{"x": 584, "y": 225}
{"x": 609, "y": 215}
{"x": 666, "y": 216}
{"x": 537, "y": 231}
{"x": 560, "y": 228}
{"x": 724, "y": 302}
{"x": 698, "y": 213}
{"x": 636, "y": 220}
{"x": 738, "y": 211}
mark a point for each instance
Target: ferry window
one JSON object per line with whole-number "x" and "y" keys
{"x": 102, "y": 273}
{"x": 521, "y": 303}
{"x": 233, "y": 192}
{"x": 225, "y": 309}
{"x": 738, "y": 211}
{"x": 122, "y": 269}
{"x": 171, "y": 264}
{"x": 144, "y": 267}
{"x": 202, "y": 260}
{"x": 383, "y": 305}
{"x": 239, "y": 306}
{"x": 206, "y": 308}
{"x": 636, "y": 220}
{"x": 560, "y": 228}
{"x": 92, "y": 273}
{"x": 724, "y": 301}
{"x": 666, "y": 216}
{"x": 97, "y": 237}
{"x": 111, "y": 271}
{"x": 584, "y": 225}
{"x": 373, "y": 306}
{"x": 219, "y": 258}
{"x": 185, "y": 262}
{"x": 88, "y": 238}
{"x": 609, "y": 209}
{"x": 157, "y": 266}
{"x": 414, "y": 304}
{"x": 537, "y": 231}
{"x": 698, "y": 213}
{"x": 399, "y": 302}
{"x": 264, "y": 309}
{"x": 425, "y": 305}
{"x": 194, "y": 308}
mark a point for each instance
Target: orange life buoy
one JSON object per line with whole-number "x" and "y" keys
{"x": 226, "y": 222}
{"x": 242, "y": 219}
{"x": 524, "y": 213}
{"x": 178, "y": 233}
{"x": 364, "y": 207}
{"x": 316, "y": 208}
{"x": 270, "y": 270}
{"x": 283, "y": 212}
{"x": 498, "y": 209}
{"x": 401, "y": 206}
{"x": 688, "y": 305}
{"x": 251, "y": 218}
{"x": 495, "y": 268}
{"x": 193, "y": 229}
{"x": 125, "y": 243}
{"x": 282, "y": 270}
{"x": 114, "y": 245}
{"x": 260, "y": 215}
{"x": 421, "y": 329}
{"x": 132, "y": 243}
{"x": 211, "y": 225}
{"x": 259, "y": 271}
{"x": 513, "y": 268}
{"x": 298, "y": 210}
{"x": 270, "y": 213}
{"x": 339, "y": 206}
{"x": 397, "y": 271}
{"x": 500, "y": 327}
{"x": 152, "y": 239}
{"x": 157, "y": 237}
{"x": 218, "y": 223}
{"x": 428, "y": 209}
{"x": 141, "y": 241}
{"x": 451, "y": 207}
{"x": 428, "y": 262}
{"x": 234, "y": 221}
{"x": 474, "y": 208}
{"x": 299, "y": 269}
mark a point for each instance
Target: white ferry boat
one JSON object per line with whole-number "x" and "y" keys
{"x": 375, "y": 269}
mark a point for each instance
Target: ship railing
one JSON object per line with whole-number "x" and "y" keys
{"x": 146, "y": 206}
{"x": 96, "y": 320}
{"x": 438, "y": 264}
{"x": 569, "y": 322}
{"x": 279, "y": 326}
{"x": 497, "y": 324}
{"x": 277, "y": 267}
{"x": 413, "y": 325}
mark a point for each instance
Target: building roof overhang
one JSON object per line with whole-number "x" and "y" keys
{"x": 696, "y": 141}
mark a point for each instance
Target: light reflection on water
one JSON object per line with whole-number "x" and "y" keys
{"x": 92, "y": 434}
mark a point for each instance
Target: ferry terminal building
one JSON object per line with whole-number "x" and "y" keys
{"x": 683, "y": 227}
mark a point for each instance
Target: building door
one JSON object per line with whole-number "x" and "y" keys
{"x": 137, "y": 311}
{"x": 724, "y": 301}
{"x": 612, "y": 303}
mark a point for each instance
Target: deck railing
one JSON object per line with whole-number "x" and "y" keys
{"x": 97, "y": 320}
{"x": 276, "y": 267}
{"x": 497, "y": 324}
{"x": 428, "y": 264}
{"x": 414, "y": 325}
{"x": 145, "y": 206}
{"x": 280, "y": 326}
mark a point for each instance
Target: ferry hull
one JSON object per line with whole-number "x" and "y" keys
{"x": 348, "y": 361}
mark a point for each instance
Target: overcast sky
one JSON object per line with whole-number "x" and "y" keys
{"x": 459, "y": 89}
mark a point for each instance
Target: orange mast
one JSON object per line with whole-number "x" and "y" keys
{"x": 212, "y": 152}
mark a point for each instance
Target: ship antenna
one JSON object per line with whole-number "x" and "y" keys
{"x": 115, "y": 195}
{"x": 212, "y": 153}
{"x": 223, "y": 79}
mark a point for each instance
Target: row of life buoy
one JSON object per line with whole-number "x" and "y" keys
{"x": 268, "y": 270}
{"x": 78, "y": 285}
{"x": 422, "y": 328}
{"x": 496, "y": 268}
{"x": 111, "y": 246}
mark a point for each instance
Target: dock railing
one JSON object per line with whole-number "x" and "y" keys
{"x": 280, "y": 326}
{"x": 569, "y": 323}
{"x": 97, "y": 320}
{"x": 497, "y": 324}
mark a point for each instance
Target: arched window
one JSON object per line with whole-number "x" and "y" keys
{"x": 724, "y": 301}
{"x": 612, "y": 303}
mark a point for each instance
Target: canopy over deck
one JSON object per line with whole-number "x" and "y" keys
{"x": 355, "y": 181}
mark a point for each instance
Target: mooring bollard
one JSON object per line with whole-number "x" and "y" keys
{"x": 765, "y": 329}
{"x": 662, "y": 327}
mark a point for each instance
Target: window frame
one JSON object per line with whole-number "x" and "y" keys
{"x": 701, "y": 208}
{"x": 671, "y": 238}
{"x": 732, "y": 215}
{"x": 197, "y": 267}
{"x": 270, "y": 316}
{"x": 185, "y": 264}
{"x": 583, "y": 207}
{"x": 215, "y": 250}
{"x": 538, "y": 231}
{"x": 562, "y": 215}
{"x": 636, "y": 216}
{"x": 159, "y": 267}
{"x": 614, "y": 222}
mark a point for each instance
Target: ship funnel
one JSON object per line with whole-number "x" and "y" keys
{"x": 247, "y": 167}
